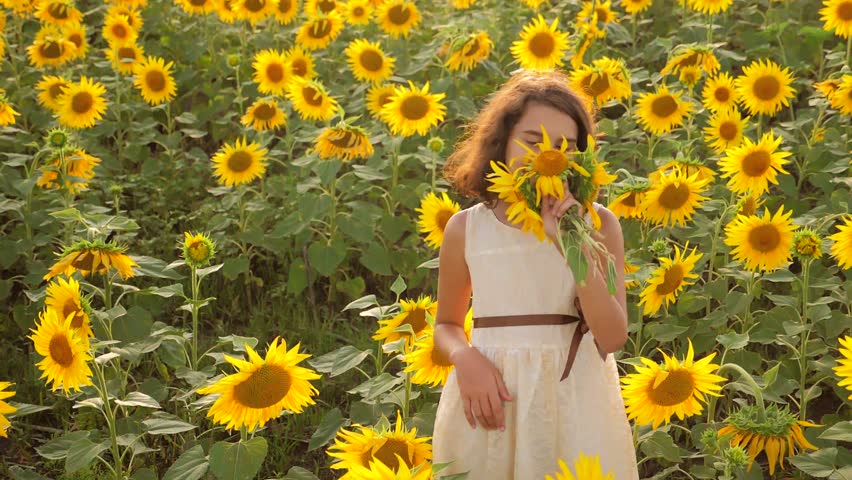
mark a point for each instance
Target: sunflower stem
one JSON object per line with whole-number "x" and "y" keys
{"x": 709, "y": 28}
{"x": 107, "y": 295}
{"x": 407, "y": 395}
{"x": 194, "y": 286}
{"x": 849, "y": 50}
{"x": 803, "y": 357}
{"x": 755, "y": 390}
{"x": 711, "y": 404}
{"x": 109, "y": 415}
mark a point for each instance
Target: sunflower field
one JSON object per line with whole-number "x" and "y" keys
{"x": 221, "y": 220}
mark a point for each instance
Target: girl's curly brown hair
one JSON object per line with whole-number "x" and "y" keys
{"x": 486, "y": 136}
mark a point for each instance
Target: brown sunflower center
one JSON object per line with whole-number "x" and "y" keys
{"x": 155, "y": 80}
{"x": 414, "y": 107}
{"x": 756, "y": 163}
{"x": 766, "y": 87}
{"x": 76, "y": 39}
{"x": 358, "y": 11}
{"x": 82, "y": 102}
{"x": 55, "y": 90}
{"x": 58, "y": 11}
{"x": 674, "y": 196}
{"x": 630, "y": 200}
{"x": 255, "y": 6}
{"x": 284, "y": 6}
{"x": 51, "y": 49}
{"x": 417, "y": 319}
{"x": 844, "y": 11}
{"x": 603, "y": 15}
{"x": 198, "y": 3}
{"x": 240, "y": 161}
{"x": 275, "y": 72}
{"x": 83, "y": 260}
{"x": 70, "y": 306}
{"x": 689, "y": 60}
{"x": 312, "y": 96}
{"x": 321, "y": 29}
{"x": 60, "y": 350}
{"x": 675, "y": 389}
{"x": 764, "y": 238}
{"x": 542, "y": 45}
{"x": 119, "y": 31}
{"x": 371, "y": 60}
{"x": 326, "y": 6}
{"x": 672, "y": 280}
{"x": 442, "y": 217}
{"x": 264, "y": 111}
{"x": 387, "y": 454}
{"x": 749, "y": 206}
{"x": 598, "y": 86}
{"x": 343, "y": 139}
{"x": 399, "y": 14}
{"x": 264, "y": 388}
{"x": 664, "y": 106}
{"x": 126, "y": 52}
{"x": 471, "y": 48}
{"x": 728, "y": 131}
{"x": 299, "y": 67}
{"x": 550, "y": 162}
{"x": 384, "y": 98}
{"x": 722, "y": 94}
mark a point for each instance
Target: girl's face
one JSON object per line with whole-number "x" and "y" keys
{"x": 528, "y": 130}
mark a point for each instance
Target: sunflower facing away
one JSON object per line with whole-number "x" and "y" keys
{"x": 262, "y": 388}
{"x": 240, "y": 162}
{"x": 319, "y": 32}
{"x": 154, "y": 80}
{"x": 842, "y": 248}
{"x": 387, "y": 446}
{"x": 719, "y": 93}
{"x": 88, "y": 257}
{"x": 753, "y": 166}
{"x": 346, "y": 142}
{"x": 674, "y": 198}
{"x": 656, "y": 392}
{"x": 659, "y": 112}
{"x": 428, "y": 365}
{"x": 311, "y": 100}
{"x": 50, "y": 89}
{"x": 764, "y": 88}
{"x": 435, "y": 212}
{"x": 628, "y": 204}
{"x": 413, "y": 313}
{"x": 270, "y": 72}
{"x": 540, "y": 46}
{"x": 725, "y": 130}
{"x": 669, "y": 279}
{"x": 761, "y": 243}
{"x": 63, "y": 296}
{"x": 844, "y": 367}
{"x": 5, "y": 408}
{"x": 368, "y": 62}
{"x": 82, "y": 104}
{"x": 413, "y": 110}
{"x": 586, "y": 468}
{"x": 468, "y": 52}
{"x": 837, "y": 15}
{"x": 398, "y": 17}
{"x": 605, "y": 79}
{"x": 65, "y": 354}
{"x": 264, "y": 115}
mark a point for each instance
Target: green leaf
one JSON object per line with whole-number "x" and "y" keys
{"x": 841, "y": 431}
{"x": 19, "y": 473}
{"x": 57, "y": 449}
{"x": 361, "y": 303}
{"x": 297, "y": 277}
{"x": 325, "y": 258}
{"x": 238, "y": 461}
{"x": 153, "y": 267}
{"x": 167, "y": 292}
{"x": 661, "y": 445}
{"x": 375, "y": 386}
{"x": 138, "y": 399}
{"x": 299, "y": 473}
{"x": 398, "y": 285}
{"x": 780, "y": 275}
{"x": 203, "y": 272}
{"x": 377, "y": 259}
{"x": 733, "y": 340}
{"x": 82, "y": 452}
{"x": 328, "y": 427}
{"x": 191, "y": 465}
{"x": 166, "y": 426}
{"x": 820, "y": 463}
{"x": 239, "y": 343}
{"x": 26, "y": 409}
{"x": 234, "y": 267}
{"x": 339, "y": 361}
{"x": 433, "y": 263}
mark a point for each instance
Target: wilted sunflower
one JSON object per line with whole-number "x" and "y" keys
{"x": 841, "y": 98}
{"x": 353, "y": 448}
{"x": 507, "y": 184}
{"x": 660, "y": 111}
{"x": 780, "y": 432}
{"x": 253, "y": 10}
{"x": 58, "y": 12}
{"x": 125, "y": 57}
{"x": 262, "y": 388}
{"x": 345, "y": 142}
{"x": 603, "y": 80}
{"x": 669, "y": 279}
{"x": 725, "y": 130}
{"x": 270, "y": 72}
{"x": 628, "y": 204}
{"x": 240, "y": 162}
{"x": 65, "y": 354}
{"x": 358, "y": 12}
{"x": 842, "y": 248}
{"x": 79, "y": 169}
{"x": 285, "y": 10}
{"x": 82, "y": 104}
{"x": 117, "y": 30}
{"x": 198, "y": 249}
{"x": 153, "y": 78}
{"x": 299, "y": 63}
{"x": 368, "y": 62}
{"x": 753, "y": 166}
{"x": 64, "y": 297}
{"x": 7, "y": 113}
{"x": 197, "y": 7}
{"x": 761, "y": 243}
{"x": 76, "y": 34}
{"x": 50, "y": 48}
{"x": 5, "y": 408}
{"x": 540, "y": 46}
{"x": 413, "y": 313}
{"x": 435, "y": 212}
{"x": 586, "y": 468}
{"x": 633, "y": 7}
{"x": 264, "y": 115}
{"x": 656, "y": 392}
{"x": 844, "y": 367}
{"x": 398, "y": 17}
{"x": 719, "y": 93}
{"x": 764, "y": 88}
{"x": 413, "y": 110}
{"x": 311, "y": 100}
{"x": 674, "y": 198}
{"x": 837, "y": 15}
{"x": 710, "y": 7}
{"x": 378, "y": 97}
{"x": 89, "y": 257}
{"x": 692, "y": 56}
{"x": 50, "y": 89}
{"x": 320, "y": 31}
{"x": 469, "y": 52}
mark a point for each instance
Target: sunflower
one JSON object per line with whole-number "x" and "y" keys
{"x": 807, "y": 244}
{"x": 89, "y": 257}
{"x": 253, "y": 10}
{"x": 435, "y": 212}
{"x": 82, "y": 104}
{"x": 264, "y": 115}
{"x": 603, "y": 80}
{"x": 656, "y": 392}
{"x": 842, "y": 248}
{"x": 674, "y": 198}
{"x": 719, "y": 93}
{"x": 710, "y": 7}
{"x": 58, "y": 12}
{"x": 669, "y": 279}
{"x": 378, "y": 97}
{"x": 844, "y": 367}
{"x": 50, "y": 48}
{"x": 725, "y": 130}
{"x": 64, "y": 297}
{"x": 5, "y": 408}
{"x": 587, "y": 468}
{"x": 689, "y": 76}
{"x": 262, "y": 388}
{"x": 837, "y": 15}
{"x": 79, "y": 169}
{"x": 633, "y": 7}
{"x": 299, "y": 63}
{"x": 368, "y": 62}
{"x": 686, "y": 166}
{"x": 507, "y": 184}
{"x": 764, "y": 88}
{"x": 753, "y": 166}
{"x": 76, "y": 34}
{"x": 153, "y": 78}
{"x": 125, "y": 57}
{"x": 117, "y": 30}
{"x": 534, "y": 4}
{"x": 413, "y": 313}
{"x": 353, "y": 449}
{"x": 629, "y": 269}
{"x": 398, "y": 17}
{"x": 841, "y": 98}
{"x": 240, "y": 162}
{"x": 548, "y": 164}
{"x": 225, "y": 10}
{"x": 463, "y": 4}
{"x": 65, "y": 354}
{"x": 428, "y": 365}
{"x": 7, "y": 113}
{"x": 540, "y": 46}
{"x": 315, "y": 8}
{"x": 779, "y": 431}
{"x": 270, "y": 72}
{"x": 628, "y": 204}
{"x": 345, "y": 142}
{"x": 470, "y": 52}
{"x": 596, "y": 15}
{"x": 661, "y": 111}
{"x": 412, "y": 110}
{"x": 197, "y": 7}
{"x": 358, "y": 12}
{"x": 319, "y": 32}
{"x": 134, "y": 18}
{"x": 761, "y": 243}
{"x": 285, "y": 11}
{"x": 748, "y": 203}
{"x": 379, "y": 471}
{"x": 198, "y": 249}
{"x": 311, "y": 100}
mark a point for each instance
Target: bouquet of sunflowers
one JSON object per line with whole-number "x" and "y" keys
{"x": 542, "y": 172}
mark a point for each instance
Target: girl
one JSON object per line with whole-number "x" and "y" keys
{"x": 531, "y": 387}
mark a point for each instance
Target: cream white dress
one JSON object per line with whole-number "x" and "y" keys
{"x": 513, "y": 273}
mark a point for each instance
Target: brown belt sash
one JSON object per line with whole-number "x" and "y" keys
{"x": 541, "y": 319}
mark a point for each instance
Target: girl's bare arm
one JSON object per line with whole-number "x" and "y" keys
{"x": 454, "y": 289}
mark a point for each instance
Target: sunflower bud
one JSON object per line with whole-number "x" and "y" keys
{"x": 198, "y": 249}
{"x": 436, "y": 144}
{"x": 736, "y": 457}
{"x": 233, "y": 60}
{"x": 806, "y": 244}
{"x": 57, "y": 138}
{"x": 709, "y": 438}
{"x": 660, "y": 248}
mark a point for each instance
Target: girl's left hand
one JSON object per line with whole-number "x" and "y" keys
{"x": 552, "y": 210}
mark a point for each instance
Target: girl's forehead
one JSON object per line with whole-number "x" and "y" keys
{"x": 556, "y": 122}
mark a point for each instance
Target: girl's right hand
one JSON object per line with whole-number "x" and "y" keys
{"x": 482, "y": 389}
